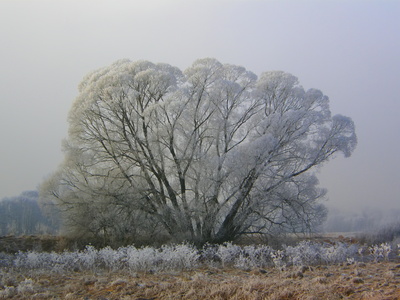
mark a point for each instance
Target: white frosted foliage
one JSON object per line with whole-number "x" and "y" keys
{"x": 206, "y": 154}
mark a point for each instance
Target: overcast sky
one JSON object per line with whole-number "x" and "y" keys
{"x": 348, "y": 49}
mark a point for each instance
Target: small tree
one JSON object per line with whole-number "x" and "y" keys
{"x": 203, "y": 155}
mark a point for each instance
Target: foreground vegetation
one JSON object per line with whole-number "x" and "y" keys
{"x": 350, "y": 281}
{"x": 307, "y": 270}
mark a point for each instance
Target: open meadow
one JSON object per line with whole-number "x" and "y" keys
{"x": 356, "y": 281}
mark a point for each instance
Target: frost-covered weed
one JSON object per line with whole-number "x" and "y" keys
{"x": 179, "y": 257}
{"x": 305, "y": 253}
{"x": 112, "y": 260}
{"x": 258, "y": 256}
{"x": 338, "y": 253}
{"x": 228, "y": 253}
{"x": 361, "y": 251}
{"x": 376, "y": 252}
{"x": 254, "y": 257}
{"x": 88, "y": 258}
{"x": 387, "y": 248}
{"x": 209, "y": 256}
{"x": 278, "y": 257}
{"x": 381, "y": 251}
{"x": 143, "y": 259}
{"x": 245, "y": 257}
{"x": 26, "y": 287}
{"x": 350, "y": 260}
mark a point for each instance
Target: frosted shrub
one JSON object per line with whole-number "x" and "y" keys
{"x": 111, "y": 259}
{"x": 376, "y": 252}
{"x": 61, "y": 262}
{"x": 87, "y": 258}
{"x": 243, "y": 262}
{"x": 143, "y": 259}
{"x": 387, "y": 248}
{"x": 278, "y": 259}
{"x": 339, "y": 252}
{"x": 246, "y": 258}
{"x": 93, "y": 259}
{"x": 67, "y": 261}
{"x": 209, "y": 255}
{"x": 228, "y": 253}
{"x": 178, "y": 257}
{"x": 381, "y": 251}
{"x": 305, "y": 253}
{"x": 361, "y": 251}
{"x": 254, "y": 257}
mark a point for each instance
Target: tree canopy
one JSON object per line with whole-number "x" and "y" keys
{"x": 204, "y": 155}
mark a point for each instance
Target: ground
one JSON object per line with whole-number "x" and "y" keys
{"x": 355, "y": 281}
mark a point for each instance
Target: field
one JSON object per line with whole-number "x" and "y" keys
{"x": 308, "y": 270}
{"x": 356, "y": 281}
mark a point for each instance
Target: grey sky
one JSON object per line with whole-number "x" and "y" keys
{"x": 348, "y": 49}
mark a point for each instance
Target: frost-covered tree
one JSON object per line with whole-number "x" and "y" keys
{"x": 203, "y": 155}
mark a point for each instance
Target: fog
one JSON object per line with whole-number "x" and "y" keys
{"x": 348, "y": 49}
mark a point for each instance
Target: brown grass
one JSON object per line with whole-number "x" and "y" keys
{"x": 357, "y": 281}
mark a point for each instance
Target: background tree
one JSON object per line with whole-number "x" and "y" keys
{"x": 22, "y": 215}
{"x": 203, "y": 155}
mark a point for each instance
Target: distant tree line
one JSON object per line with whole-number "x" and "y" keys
{"x": 22, "y": 215}
{"x": 367, "y": 220}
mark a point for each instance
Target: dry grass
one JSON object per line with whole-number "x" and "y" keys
{"x": 357, "y": 281}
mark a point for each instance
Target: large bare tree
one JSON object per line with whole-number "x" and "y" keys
{"x": 203, "y": 155}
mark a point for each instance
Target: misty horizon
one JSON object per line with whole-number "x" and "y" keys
{"x": 348, "y": 50}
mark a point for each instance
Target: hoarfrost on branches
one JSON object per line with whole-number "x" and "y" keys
{"x": 203, "y": 155}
